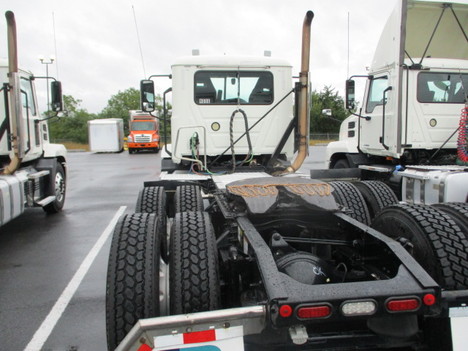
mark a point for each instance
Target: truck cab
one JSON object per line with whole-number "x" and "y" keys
{"x": 219, "y": 87}
{"x": 144, "y": 132}
{"x": 230, "y": 110}
{"x": 415, "y": 91}
{"x": 36, "y": 142}
{"x": 32, "y": 170}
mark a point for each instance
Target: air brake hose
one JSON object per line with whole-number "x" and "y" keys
{"x": 194, "y": 142}
{"x": 231, "y": 135}
{"x": 252, "y": 126}
{"x": 462, "y": 142}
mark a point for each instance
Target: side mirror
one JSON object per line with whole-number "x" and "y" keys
{"x": 56, "y": 104}
{"x": 350, "y": 100}
{"x": 147, "y": 98}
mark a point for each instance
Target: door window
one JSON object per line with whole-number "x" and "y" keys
{"x": 27, "y": 96}
{"x": 375, "y": 98}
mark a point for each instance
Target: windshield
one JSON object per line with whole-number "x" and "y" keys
{"x": 442, "y": 87}
{"x": 233, "y": 87}
{"x": 143, "y": 126}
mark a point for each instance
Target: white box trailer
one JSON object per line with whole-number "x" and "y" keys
{"x": 106, "y": 135}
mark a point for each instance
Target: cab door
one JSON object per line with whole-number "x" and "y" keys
{"x": 32, "y": 134}
{"x": 376, "y": 137}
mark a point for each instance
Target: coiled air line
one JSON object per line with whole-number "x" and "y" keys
{"x": 247, "y": 134}
{"x": 462, "y": 142}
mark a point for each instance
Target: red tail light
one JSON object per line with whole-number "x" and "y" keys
{"x": 309, "y": 312}
{"x": 402, "y": 305}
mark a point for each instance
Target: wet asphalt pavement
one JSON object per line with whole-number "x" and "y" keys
{"x": 40, "y": 254}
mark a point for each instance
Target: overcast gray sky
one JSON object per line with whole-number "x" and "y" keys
{"x": 97, "y": 51}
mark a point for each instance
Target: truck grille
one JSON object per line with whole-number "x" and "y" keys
{"x": 142, "y": 138}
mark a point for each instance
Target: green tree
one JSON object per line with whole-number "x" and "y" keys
{"x": 328, "y": 98}
{"x": 120, "y": 103}
{"x": 73, "y": 126}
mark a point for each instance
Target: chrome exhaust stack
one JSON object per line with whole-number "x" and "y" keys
{"x": 16, "y": 110}
{"x": 303, "y": 125}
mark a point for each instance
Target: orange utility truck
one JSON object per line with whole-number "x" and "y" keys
{"x": 144, "y": 132}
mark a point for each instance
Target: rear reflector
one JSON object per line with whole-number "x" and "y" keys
{"x": 358, "y": 308}
{"x": 201, "y": 336}
{"x": 402, "y": 305}
{"x": 309, "y": 312}
{"x": 429, "y": 299}
{"x": 285, "y": 311}
{"x": 145, "y": 347}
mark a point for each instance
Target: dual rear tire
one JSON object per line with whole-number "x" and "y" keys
{"x": 194, "y": 283}
{"x": 134, "y": 290}
{"x": 438, "y": 234}
{"x": 438, "y": 243}
{"x": 363, "y": 200}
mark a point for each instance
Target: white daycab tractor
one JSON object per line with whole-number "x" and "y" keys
{"x": 32, "y": 170}
{"x": 412, "y": 128}
{"x": 230, "y": 250}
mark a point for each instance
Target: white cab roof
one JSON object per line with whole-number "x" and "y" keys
{"x": 231, "y": 61}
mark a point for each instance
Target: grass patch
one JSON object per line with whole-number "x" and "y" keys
{"x": 75, "y": 146}
{"x": 319, "y": 142}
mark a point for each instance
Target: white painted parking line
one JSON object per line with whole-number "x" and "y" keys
{"x": 44, "y": 331}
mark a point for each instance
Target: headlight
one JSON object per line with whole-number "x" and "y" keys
{"x": 156, "y": 139}
{"x": 130, "y": 139}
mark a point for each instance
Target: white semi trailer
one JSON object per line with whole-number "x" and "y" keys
{"x": 32, "y": 170}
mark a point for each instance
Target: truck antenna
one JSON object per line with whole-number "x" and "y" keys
{"x": 139, "y": 42}
{"x": 55, "y": 45}
{"x": 347, "y": 64}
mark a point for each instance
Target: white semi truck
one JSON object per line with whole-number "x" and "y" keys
{"x": 411, "y": 127}
{"x": 230, "y": 250}
{"x": 32, "y": 170}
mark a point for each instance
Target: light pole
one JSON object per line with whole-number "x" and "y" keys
{"x": 47, "y": 62}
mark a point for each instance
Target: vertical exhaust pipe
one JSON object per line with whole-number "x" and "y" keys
{"x": 12, "y": 42}
{"x": 16, "y": 111}
{"x": 303, "y": 147}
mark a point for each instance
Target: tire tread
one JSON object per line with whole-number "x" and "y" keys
{"x": 131, "y": 292}
{"x": 188, "y": 198}
{"x": 347, "y": 195}
{"x": 193, "y": 268}
{"x": 377, "y": 195}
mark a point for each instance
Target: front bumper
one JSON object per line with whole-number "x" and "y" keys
{"x": 151, "y": 145}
